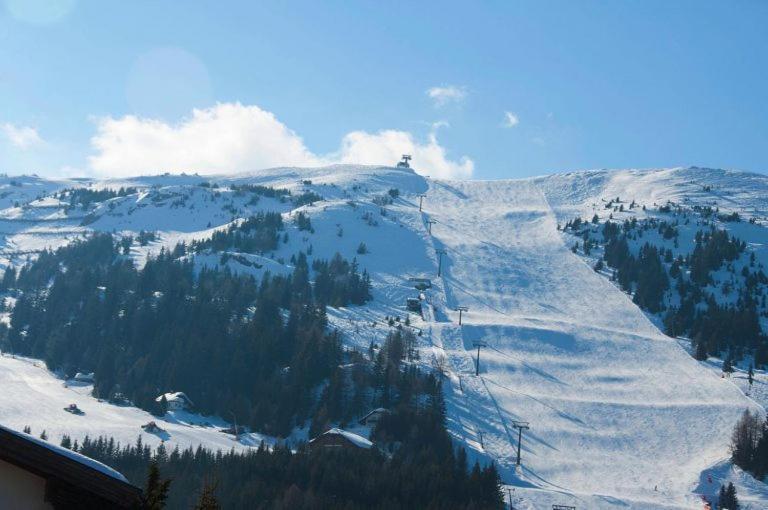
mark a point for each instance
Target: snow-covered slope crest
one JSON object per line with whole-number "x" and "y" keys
{"x": 620, "y": 415}
{"x": 732, "y": 191}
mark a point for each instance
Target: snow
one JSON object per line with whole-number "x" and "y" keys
{"x": 357, "y": 440}
{"x": 709, "y": 189}
{"x": 82, "y": 459}
{"x": 616, "y": 408}
{"x": 33, "y": 396}
{"x": 177, "y": 396}
{"x": 751, "y": 493}
{"x": 620, "y": 414}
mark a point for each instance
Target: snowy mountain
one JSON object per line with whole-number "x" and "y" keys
{"x": 620, "y": 414}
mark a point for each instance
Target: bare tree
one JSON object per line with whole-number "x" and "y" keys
{"x": 744, "y": 439}
{"x": 440, "y": 365}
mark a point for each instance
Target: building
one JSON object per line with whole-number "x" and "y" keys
{"x": 84, "y": 377}
{"x": 152, "y": 428}
{"x": 338, "y": 438}
{"x": 404, "y": 163}
{"x": 372, "y": 418}
{"x": 177, "y": 401}
{"x": 37, "y": 475}
{"x": 413, "y": 304}
{"x": 421, "y": 283}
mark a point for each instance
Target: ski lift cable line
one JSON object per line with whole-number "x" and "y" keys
{"x": 485, "y": 385}
{"x": 498, "y": 410}
{"x": 493, "y": 400}
{"x": 502, "y": 420}
{"x": 500, "y": 414}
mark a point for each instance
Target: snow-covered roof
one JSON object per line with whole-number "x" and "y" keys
{"x": 378, "y": 410}
{"x": 357, "y": 440}
{"x": 82, "y": 459}
{"x": 174, "y": 396}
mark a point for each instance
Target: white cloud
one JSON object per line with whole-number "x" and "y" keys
{"x": 228, "y": 137}
{"x": 446, "y": 94}
{"x": 388, "y": 145}
{"x": 510, "y": 120}
{"x": 231, "y": 137}
{"x": 23, "y": 137}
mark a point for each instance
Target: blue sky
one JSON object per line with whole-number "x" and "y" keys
{"x": 517, "y": 88}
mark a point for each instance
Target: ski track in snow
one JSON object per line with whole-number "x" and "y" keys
{"x": 621, "y": 416}
{"x": 616, "y": 409}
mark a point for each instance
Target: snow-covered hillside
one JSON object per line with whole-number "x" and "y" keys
{"x": 34, "y": 397}
{"x": 620, "y": 415}
{"x": 569, "y": 354}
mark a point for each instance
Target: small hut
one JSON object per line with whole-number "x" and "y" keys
{"x": 177, "y": 401}
{"x": 84, "y": 377}
{"x": 338, "y": 438}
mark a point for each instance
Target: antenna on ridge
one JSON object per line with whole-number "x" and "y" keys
{"x": 404, "y": 163}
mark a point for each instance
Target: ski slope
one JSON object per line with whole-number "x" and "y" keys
{"x": 620, "y": 415}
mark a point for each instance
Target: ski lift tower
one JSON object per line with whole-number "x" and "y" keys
{"x": 520, "y": 426}
{"x": 404, "y": 163}
{"x": 478, "y": 344}
{"x": 461, "y": 309}
{"x": 440, "y": 252}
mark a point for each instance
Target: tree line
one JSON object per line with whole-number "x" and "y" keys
{"x": 749, "y": 444}
{"x": 681, "y": 289}
{"x": 233, "y": 344}
{"x": 424, "y": 472}
{"x": 256, "y": 234}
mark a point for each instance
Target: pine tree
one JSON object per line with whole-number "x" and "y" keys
{"x": 733, "y": 501}
{"x": 701, "y": 350}
{"x": 760, "y": 468}
{"x": 208, "y": 499}
{"x": 727, "y": 499}
{"x": 491, "y": 487}
{"x": 728, "y": 366}
{"x": 751, "y": 375}
{"x": 722, "y": 498}
{"x": 162, "y": 408}
{"x": 745, "y": 440}
{"x": 9, "y": 279}
{"x": 156, "y": 492}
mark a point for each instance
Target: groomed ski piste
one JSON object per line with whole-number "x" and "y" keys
{"x": 620, "y": 415}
